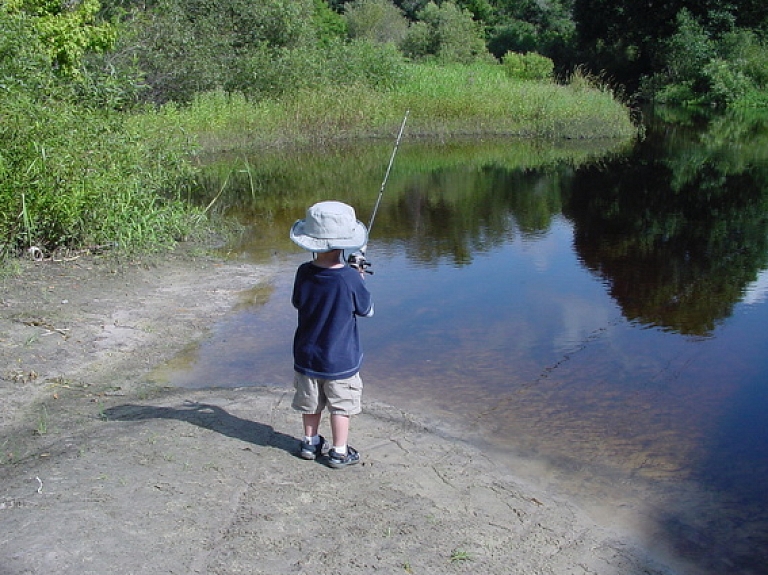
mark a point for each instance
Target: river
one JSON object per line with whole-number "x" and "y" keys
{"x": 594, "y": 313}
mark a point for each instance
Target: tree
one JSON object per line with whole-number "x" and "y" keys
{"x": 375, "y": 20}
{"x": 627, "y": 39}
{"x": 188, "y": 46}
{"x": 706, "y": 67}
{"x": 446, "y": 33}
{"x": 530, "y": 26}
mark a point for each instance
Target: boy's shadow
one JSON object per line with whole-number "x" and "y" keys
{"x": 210, "y": 417}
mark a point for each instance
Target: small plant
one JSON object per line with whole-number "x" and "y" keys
{"x": 7, "y": 453}
{"x": 103, "y": 416}
{"x": 42, "y": 422}
{"x": 460, "y": 555}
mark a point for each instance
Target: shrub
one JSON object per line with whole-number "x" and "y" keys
{"x": 373, "y": 65}
{"x": 375, "y": 20}
{"x": 328, "y": 24}
{"x": 275, "y": 73}
{"x": 513, "y": 36}
{"x": 688, "y": 50}
{"x": 420, "y": 42}
{"x": 725, "y": 84}
{"x": 67, "y": 31}
{"x": 530, "y": 66}
{"x": 184, "y": 47}
{"x": 71, "y": 177}
{"x": 446, "y": 33}
{"x": 706, "y": 67}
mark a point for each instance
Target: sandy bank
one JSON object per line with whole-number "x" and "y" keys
{"x": 102, "y": 472}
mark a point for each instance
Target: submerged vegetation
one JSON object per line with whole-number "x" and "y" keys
{"x": 105, "y": 107}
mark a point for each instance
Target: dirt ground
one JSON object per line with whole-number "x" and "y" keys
{"x": 103, "y": 472}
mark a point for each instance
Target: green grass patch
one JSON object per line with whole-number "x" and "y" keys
{"x": 444, "y": 101}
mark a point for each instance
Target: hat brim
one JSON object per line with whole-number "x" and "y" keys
{"x": 318, "y": 245}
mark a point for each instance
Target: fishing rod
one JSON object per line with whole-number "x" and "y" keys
{"x": 386, "y": 174}
{"x": 357, "y": 259}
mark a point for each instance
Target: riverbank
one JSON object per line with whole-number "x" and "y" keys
{"x": 105, "y": 472}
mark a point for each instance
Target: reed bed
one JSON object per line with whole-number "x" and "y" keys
{"x": 443, "y": 101}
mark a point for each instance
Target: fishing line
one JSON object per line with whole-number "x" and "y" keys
{"x": 544, "y": 374}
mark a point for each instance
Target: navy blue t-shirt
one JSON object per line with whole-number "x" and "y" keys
{"x": 327, "y": 344}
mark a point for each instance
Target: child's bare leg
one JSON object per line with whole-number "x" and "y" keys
{"x": 340, "y": 429}
{"x": 311, "y": 423}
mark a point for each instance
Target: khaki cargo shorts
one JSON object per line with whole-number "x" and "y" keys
{"x": 341, "y": 396}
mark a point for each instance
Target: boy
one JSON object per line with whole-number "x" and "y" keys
{"x": 329, "y": 295}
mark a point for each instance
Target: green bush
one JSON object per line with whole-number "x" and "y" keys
{"x": 530, "y": 66}
{"x": 70, "y": 177}
{"x": 66, "y": 30}
{"x": 421, "y": 43}
{"x": 681, "y": 93}
{"x": 185, "y": 47}
{"x": 378, "y": 66}
{"x": 72, "y": 174}
{"x": 703, "y": 67}
{"x": 725, "y": 84}
{"x": 375, "y": 20}
{"x": 328, "y": 24}
{"x": 750, "y": 55}
{"x": 276, "y": 73}
{"x": 447, "y": 34}
{"x": 689, "y": 50}
{"x": 513, "y": 36}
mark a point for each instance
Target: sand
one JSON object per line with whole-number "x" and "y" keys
{"x": 103, "y": 471}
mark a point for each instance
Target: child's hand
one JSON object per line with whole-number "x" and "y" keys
{"x": 357, "y": 260}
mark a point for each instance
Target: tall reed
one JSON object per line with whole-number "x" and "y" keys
{"x": 444, "y": 101}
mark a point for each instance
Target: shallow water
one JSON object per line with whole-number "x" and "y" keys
{"x": 596, "y": 323}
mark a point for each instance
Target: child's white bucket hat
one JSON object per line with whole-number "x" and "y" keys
{"x": 329, "y": 226}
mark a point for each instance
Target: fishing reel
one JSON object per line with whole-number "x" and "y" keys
{"x": 357, "y": 260}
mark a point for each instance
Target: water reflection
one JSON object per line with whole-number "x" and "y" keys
{"x": 446, "y": 200}
{"x": 603, "y": 309}
{"x": 679, "y": 231}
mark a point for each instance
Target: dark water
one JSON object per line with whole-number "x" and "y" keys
{"x": 596, "y": 316}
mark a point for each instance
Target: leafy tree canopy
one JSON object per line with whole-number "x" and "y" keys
{"x": 628, "y": 39}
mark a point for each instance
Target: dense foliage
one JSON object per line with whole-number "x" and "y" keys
{"x": 80, "y": 83}
{"x": 677, "y": 51}
{"x": 682, "y": 51}
{"x": 72, "y": 174}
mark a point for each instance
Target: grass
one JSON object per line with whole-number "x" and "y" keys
{"x": 459, "y": 555}
{"x": 42, "y": 422}
{"x": 74, "y": 178}
{"x": 443, "y": 101}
